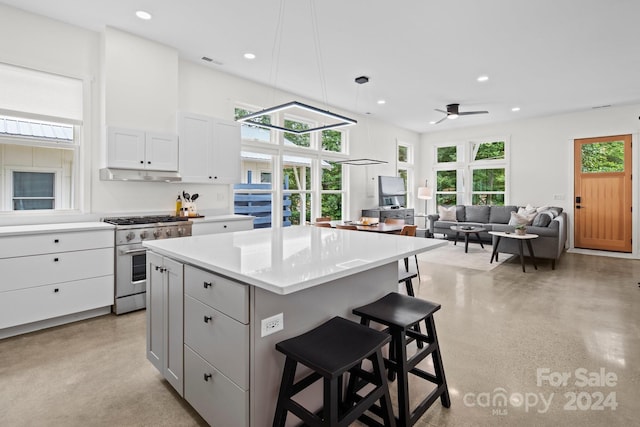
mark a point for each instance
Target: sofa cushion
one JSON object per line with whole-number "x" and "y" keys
{"x": 501, "y": 214}
{"x": 477, "y": 214}
{"x": 521, "y": 218}
{"x": 447, "y": 213}
{"x": 542, "y": 219}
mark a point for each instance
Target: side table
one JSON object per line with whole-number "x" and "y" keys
{"x": 521, "y": 238}
{"x": 466, "y": 230}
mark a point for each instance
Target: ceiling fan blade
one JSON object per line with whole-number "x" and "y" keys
{"x": 468, "y": 113}
{"x": 441, "y": 111}
{"x": 441, "y": 120}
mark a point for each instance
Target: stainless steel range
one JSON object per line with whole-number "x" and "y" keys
{"x": 131, "y": 258}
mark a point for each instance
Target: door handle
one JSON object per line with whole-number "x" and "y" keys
{"x": 578, "y": 207}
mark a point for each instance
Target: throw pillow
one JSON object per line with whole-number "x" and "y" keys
{"x": 543, "y": 219}
{"x": 527, "y": 210}
{"x": 521, "y": 219}
{"x": 447, "y": 213}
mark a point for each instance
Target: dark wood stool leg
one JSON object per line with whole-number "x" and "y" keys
{"x": 330, "y": 408}
{"x": 437, "y": 363}
{"x": 399, "y": 339}
{"x": 288, "y": 377}
{"x": 385, "y": 400}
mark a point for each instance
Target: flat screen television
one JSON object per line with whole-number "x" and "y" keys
{"x": 391, "y": 191}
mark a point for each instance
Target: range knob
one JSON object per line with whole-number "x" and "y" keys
{"x": 130, "y": 236}
{"x": 180, "y": 231}
{"x": 143, "y": 234}
{"x": 168, "y": 232}
{"x": 156, "y": 233}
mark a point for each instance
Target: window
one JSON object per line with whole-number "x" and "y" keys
{"x": 483, "y": 164}
{"x": 33, "y": 190}
{"x": 404, "y": 159}
{"x": 40, "y": 130}
{"x": 310, "y": 184}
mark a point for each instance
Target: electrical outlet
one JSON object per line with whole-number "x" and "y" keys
{"x": 272, "y": 324}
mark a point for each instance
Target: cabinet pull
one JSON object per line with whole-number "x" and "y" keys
{"x": 157, "y": 268}
{"x": 55, "y": 260}
{"x": 56, "y": 290}
{"x": 148, "y": 163}
{"x": 207, "y": 319}
{"x": 56, "y": 240}
{"x": 225, "y": 226}
{"x": 207, "y": 377}
{"x": 207, "y": 285}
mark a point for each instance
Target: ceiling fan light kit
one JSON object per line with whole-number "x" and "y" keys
{"x": 453, "y": 112}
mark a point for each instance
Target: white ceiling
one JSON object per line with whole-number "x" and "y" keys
{"x": 544, "y": 56}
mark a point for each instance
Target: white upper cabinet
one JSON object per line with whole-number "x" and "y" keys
{"x": 135, "y": 149}
{"x": 209, "y": 149}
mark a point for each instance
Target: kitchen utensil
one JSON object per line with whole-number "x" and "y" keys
{"x": 194, "y": 197}
{"x": 186, "y": 196}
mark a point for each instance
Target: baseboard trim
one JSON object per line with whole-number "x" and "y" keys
{"x": 50, "y": 323}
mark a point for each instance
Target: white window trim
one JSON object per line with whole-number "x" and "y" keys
{"x": 407, "y": 166}
{"x": 464, "y": 168}
{"x": 8, "y": 200}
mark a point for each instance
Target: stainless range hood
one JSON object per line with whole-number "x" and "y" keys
{"x": 111, "y": 174}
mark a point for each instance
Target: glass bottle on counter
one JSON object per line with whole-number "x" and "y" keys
{"x": 179, "y": 206}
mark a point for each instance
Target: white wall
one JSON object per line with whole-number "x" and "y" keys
{"x": 542, "y": 152}
{"x": 133, "y": 82}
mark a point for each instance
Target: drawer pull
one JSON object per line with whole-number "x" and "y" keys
{"x": 207, "y": 284}
{"x": 55, "y": 260}
{"x": 225, "y": 226}
{"x": 207, "y": 377}
{"x": 56, "y": 241}
{"x": 207, "y": 319}
{"x": 56, "y": 290}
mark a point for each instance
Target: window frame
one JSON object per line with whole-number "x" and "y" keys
{"x": 408, "y": 167}
{"x": 9, "y": 187}
{"x": 465, "y": 165}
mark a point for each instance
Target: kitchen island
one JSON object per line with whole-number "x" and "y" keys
{"x": 218, "y": 304}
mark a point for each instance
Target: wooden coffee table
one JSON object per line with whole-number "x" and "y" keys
{"x": 466, "y": 230}
{"x": 521, "y": 238}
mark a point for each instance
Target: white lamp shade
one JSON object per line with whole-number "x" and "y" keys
{"x": 425, "y": 193}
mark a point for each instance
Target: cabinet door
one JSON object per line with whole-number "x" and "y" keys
{"x": 125, "y": 148}
{"x": 155, "y": 311}
{"x": 225, "y": 152}
{"x": 161, "y": 152}
{"x": 195, "y": 134}
{"x": 173, "y": 321}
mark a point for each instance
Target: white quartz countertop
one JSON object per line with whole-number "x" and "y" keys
{"x": 11, "y": 230}
{"x": 222, "y": 218}
{"x": 291, "y": 259}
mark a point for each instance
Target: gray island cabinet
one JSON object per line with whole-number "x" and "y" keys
{"x": 212, "y": 301}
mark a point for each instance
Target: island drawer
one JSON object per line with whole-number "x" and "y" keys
{"x": 219, "y": 339}
{"x": 216, "y": 227}
{"x": 28, "y": 271}
{"x": 35, "y": 244}
{"x": 45, "y": 302}
{"x": 217, "y": 399}
{"x": 227, "y": 296}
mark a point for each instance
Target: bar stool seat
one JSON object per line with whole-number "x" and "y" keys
{"x": 330, "y": 350}
{"x": 401, "y": 314}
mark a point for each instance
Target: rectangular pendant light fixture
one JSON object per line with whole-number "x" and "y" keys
{"x": 359, "y": 162}
{"x": 317, "y": 115}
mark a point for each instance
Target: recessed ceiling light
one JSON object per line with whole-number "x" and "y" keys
{"x": 515, "y": 109}
{"x": 381, "y": 101}
{"x": 142, "y": 14}
{"x": 249, "y": 55}
{"x": 483, "y": 78}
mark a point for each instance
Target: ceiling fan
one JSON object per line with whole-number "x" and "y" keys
{"x": 453, "y": 113}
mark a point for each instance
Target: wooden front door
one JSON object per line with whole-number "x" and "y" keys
{"x": 602, "y": 188}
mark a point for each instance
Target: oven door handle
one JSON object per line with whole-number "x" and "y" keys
{"x": 133, "y": 252}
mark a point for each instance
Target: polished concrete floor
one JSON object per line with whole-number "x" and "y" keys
{"x": 542, "y": 348}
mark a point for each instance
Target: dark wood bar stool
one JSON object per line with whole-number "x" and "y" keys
{"x": 401, "y": 313}
{"x": 332, "y": 349}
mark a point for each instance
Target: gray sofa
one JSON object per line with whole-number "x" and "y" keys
{"x": 550, "y": 244}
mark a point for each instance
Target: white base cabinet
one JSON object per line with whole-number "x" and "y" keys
{"x": 165, "y": 309}
{"x": 53, "y": 270}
